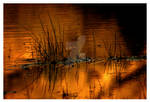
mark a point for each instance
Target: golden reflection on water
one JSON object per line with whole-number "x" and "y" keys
{"x": 89, "y": 84}
{"x": 78, "y": 81}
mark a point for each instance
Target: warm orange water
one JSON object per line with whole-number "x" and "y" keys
{"x": 82, "y": 81}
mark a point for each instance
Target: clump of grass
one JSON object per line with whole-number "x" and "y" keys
{"x": 51, "y": 47}
{"x": 115, "y": 61}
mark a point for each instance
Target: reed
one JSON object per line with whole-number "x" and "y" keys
{"x": 49, "y": 46}
{"x": 115, "y": 59}
{"x": 49, "y": 49}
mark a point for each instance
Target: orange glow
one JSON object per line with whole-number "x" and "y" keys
{"x": 86, "y": 35}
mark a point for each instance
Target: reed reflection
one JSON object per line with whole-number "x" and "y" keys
{"x": 60, "y": 51}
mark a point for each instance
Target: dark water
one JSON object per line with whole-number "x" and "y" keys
{"x": 88, "y": 32}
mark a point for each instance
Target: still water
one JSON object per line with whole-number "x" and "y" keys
{"x": 96, "y": 38}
